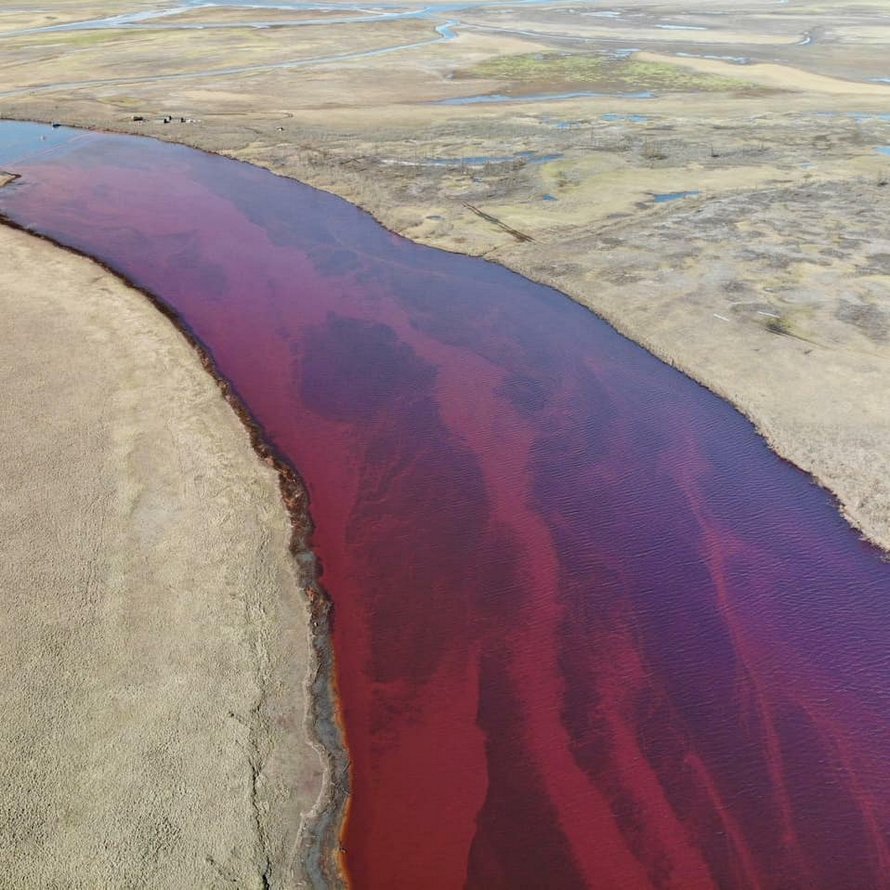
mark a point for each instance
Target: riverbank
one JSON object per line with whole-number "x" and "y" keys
{"x": 155, "y": 695}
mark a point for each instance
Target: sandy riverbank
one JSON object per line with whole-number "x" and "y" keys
{"x": 157, "y": 648}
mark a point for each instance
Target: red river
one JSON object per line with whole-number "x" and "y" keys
{"x": 589, "y": 630}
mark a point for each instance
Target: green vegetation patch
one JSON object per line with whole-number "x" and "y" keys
{"x": 543, "y": 66}
{"x": 664, "y": 76}
{"x": 603, "y": 72}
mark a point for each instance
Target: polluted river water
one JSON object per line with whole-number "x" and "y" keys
{"x": 589, "y": 631}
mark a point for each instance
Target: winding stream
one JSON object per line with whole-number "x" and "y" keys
{"x": 590, "y": 631}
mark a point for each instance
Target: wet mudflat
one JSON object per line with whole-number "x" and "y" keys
{"x": 589, "y": 630}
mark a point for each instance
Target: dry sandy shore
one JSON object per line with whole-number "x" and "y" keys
{"x": 155, "y": 643}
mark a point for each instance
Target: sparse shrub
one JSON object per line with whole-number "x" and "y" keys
{"x": 654, "y": 151}
{"x": 778, "y": 326}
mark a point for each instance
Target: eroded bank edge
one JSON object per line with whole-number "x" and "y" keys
{"x": 320, "y": 830}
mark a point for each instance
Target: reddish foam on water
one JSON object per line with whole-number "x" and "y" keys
{"x": 589, "y": 630}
